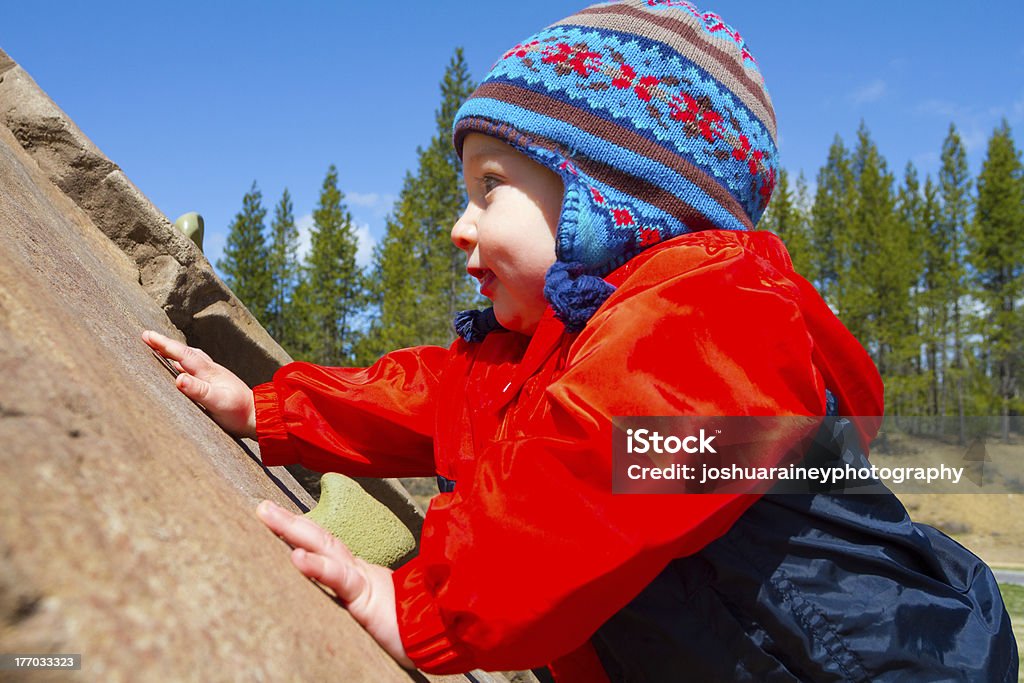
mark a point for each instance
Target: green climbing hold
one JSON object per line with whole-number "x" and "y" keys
{"x": 191, "y": 224}
{"x": 369, "y": 529}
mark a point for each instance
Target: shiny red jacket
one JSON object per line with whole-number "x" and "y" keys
{"x": 532, "y": 552}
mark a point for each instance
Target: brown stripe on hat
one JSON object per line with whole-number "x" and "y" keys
{"x": 627, "y": 139}
{"x": 648, "y": 192}
{"x": 670, "y": 31}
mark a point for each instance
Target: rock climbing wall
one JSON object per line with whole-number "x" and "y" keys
{"x": 172, "y": 271}
{"x": 127, "y": 531}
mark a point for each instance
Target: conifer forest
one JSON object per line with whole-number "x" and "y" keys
{"x": 927, "y": 272}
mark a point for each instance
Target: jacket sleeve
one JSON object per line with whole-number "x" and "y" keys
{"x": 363, "y": 422}
{"x": 523, "y": 563}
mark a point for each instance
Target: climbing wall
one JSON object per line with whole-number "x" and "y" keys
{"x": 127, "y": 532}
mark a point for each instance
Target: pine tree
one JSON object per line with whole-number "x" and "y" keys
{"x": 876, "y": 290}
{"x": 283, "y": 266}
{"x": 447, "y": 193}
{"x": 894, "y": 269}
{"x": 935, "y": 311}
{"x": 831, "y": 217}
{"x": 397, "y": 283}
{"x": 864, "y": 264}
{"x": 996, "y": 239}
{"x": 419, "y": 276}
{"x": 331, "y": 293}
{"x": 244, "y": 263}
{"x": 785, "y": 218}
{"x": 955, "y": 189}
{"x": 803, "y": 239}
{"x": 858, "y": 250}
{"x": 910, "y": 214}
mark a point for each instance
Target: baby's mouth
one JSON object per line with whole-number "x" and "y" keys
{"x": 487, "y": 280}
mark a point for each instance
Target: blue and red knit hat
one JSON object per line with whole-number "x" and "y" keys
{"x": 656, "y": 117}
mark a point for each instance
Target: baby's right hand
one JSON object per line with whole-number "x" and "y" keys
{"x": 226, "y": 397}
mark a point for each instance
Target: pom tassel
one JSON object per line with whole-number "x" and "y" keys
{"x": 473, "y": 325}
{"x": 574, "y": 296}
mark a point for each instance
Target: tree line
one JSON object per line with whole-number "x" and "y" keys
{"x": 928, "y": 274}
{"x": 327, "y": 309}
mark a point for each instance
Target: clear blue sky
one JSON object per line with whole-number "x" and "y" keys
{"x": 195, "y": 100}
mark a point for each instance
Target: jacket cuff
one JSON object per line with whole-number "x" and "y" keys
{"x": 423, "y": 633}
{"x": 271, "y": 432}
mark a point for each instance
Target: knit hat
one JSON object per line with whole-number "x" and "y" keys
{"x": 656, "y": 117}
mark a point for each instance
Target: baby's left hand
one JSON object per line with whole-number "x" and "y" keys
{"x": 365, "y": 589}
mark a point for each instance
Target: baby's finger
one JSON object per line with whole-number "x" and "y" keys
{"x": 302, "y": 532}
{"x": 193, "y": 387}
{"x": 343, "y": 577}
{"x": 165, "y": 346}
{"x": 191, "y": 360}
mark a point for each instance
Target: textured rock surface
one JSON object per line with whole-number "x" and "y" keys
{"x": 127, "y": 531}
{"x": 169, "y": 267}
{"x": 126, "y": 518}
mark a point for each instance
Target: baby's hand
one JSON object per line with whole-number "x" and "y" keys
{"x": 227, "y": 398}
{"x": 365, "y": 589}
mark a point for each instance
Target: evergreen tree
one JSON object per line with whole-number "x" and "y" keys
{"x": 398, "y": 264}
{"x": 449, "y": 193}
{"x": 244, "y": 262}
{"x": 932, "y": 301}
{"x": 419, "y": 276}
{"x": 803, "y": 239}
{"x": 859, "y": 246}
{"x": 831, "y": 216}
{"x": 884, "y": 269}
{"x": 331, "y": 293}
{"x": 996, "y": 239}
{"x": 910, "y": 213}
{"x": 283, "y": 266}
{"x": 864, "y": 262}
{"x": 955, "y": 190}
{"x": 785, "y": 218}
{"x": 910, "y": 209}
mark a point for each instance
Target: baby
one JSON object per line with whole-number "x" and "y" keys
{"x": 616, "y": 164}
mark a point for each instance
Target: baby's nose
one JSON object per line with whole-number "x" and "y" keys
{"x": 464, "y": 234}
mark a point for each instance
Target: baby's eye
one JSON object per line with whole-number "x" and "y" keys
{"x": 489, "y": 183}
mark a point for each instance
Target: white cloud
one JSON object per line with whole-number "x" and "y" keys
{"x": 974, "y": 123}
{"x": 378, "y": 204}
{"x": 943, "y": 108}
{"x": 366, "y": 243}
{"x": 975, "y": 137}
{"x": 1017, "y": 110}
{"x": 869, "y": 93}
{"x": 305, "y": 226}
{"x": 362, "y": 199}
{"x": 364, "y": 254}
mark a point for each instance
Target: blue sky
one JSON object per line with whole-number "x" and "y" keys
{"x": 195, "y": 100}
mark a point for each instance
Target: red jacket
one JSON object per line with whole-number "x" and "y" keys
{"x": 532, "y": 553}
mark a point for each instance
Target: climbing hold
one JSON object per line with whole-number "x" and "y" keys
{"x": 191, "y": 224}
{"x": 369, "y": 529}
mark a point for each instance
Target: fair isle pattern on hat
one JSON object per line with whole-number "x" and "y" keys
{"x": 654, "y": 114}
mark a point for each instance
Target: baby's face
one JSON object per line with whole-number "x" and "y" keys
{"x": 508, "y": 228}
